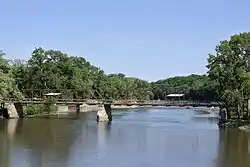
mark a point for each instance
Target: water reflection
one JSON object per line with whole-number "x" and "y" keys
{"x": 103, "y": 131}
{"x": 4, "y": 145}
{"x": 36, "y": 142}
{"x": 234, "y": 148}
{"x": 152, "y": 138}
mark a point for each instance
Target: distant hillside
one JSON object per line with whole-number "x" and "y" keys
{"x": 193, "y": 86}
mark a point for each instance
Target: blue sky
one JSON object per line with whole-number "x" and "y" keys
{"x": 150, "y": 39}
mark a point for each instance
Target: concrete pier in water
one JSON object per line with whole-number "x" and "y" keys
{"x": 104, "y": 114}
{"x": 16, "y": 110}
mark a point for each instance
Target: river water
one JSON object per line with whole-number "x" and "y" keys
{"x": 136, "y": 138}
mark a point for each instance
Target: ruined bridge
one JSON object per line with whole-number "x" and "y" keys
{"x": 114, "y": 102}
{"x": 104, "y": 104}
{"x": 105, "y": 112}
{"x": 75, "y": 99}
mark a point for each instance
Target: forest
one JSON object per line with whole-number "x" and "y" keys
{"x": 227, "y": 80}
{"x": 75, "y": 77}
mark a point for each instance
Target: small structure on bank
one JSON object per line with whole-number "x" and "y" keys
{"x": 175, "y": 96}
{"x": 52, "y": 96}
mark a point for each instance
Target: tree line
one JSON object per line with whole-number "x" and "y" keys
{"x": 229, "y": 69}
{"x": 227, "y": 79}
{"x": 75, "y": 77}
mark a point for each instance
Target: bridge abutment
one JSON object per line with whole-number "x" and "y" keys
{"x": 104, "y": 114}
{"x": 78, "y": 108}
{"x": 19, "y": 109}
{"x": 10, "y": 110}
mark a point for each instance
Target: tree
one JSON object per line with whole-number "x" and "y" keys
{"x": 8, "y": 87}
{"x": 3, "y": 63}
{"x": 229, "y": 67}
{"x": 74, "y": 77}
{"x": 195, "y": 87}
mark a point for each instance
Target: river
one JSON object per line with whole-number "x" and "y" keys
{"x": 136, "y": 138}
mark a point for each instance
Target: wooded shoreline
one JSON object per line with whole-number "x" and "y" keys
{"x": 227, "y": 79}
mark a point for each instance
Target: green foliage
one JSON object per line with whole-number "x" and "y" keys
{"x": 229, "y": 68}
{"x": 228, "y": 78}
{"x": 3, "y": 63}
{"x": 34, "y": 109}
{"x": 75, "y": 77}
{"x": 8, "y": 87}
{"x": 195, "y": 87}
{"x": 40, "y": 109}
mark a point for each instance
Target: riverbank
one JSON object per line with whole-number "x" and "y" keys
{"x": 245, "y": 128}
{"x": 243, "y": 125}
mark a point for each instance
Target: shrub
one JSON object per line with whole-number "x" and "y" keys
{"x": 40, "y": 109}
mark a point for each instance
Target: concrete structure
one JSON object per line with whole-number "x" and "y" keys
{"x": 118, "y": 103}
{"x": 104, "y": 113}
{"x": 15, "y": 110}
{"x": 12, "y": 110}
{"x": 175, "y": 96}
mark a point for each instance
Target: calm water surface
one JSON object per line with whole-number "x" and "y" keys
{"x": 136, "y": 138}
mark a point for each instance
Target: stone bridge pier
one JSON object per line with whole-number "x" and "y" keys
{"x": 104, "y": 113}
{"x": 16, "y": 110}
{"x": 11, "y": 110}
{"x": 19, "y": 109}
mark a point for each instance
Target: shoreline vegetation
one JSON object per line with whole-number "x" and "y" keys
{"x": 51, "y": 71}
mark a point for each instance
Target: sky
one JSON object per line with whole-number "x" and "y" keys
{"x": 149, "y": 39}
